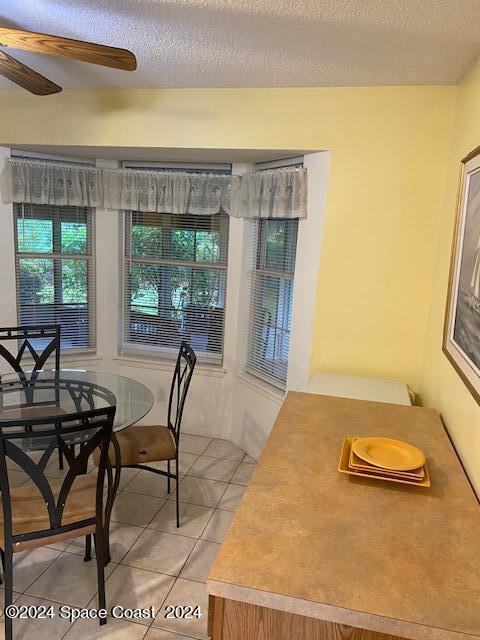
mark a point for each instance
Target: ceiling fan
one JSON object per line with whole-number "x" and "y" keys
{"x": 55, "y": 46}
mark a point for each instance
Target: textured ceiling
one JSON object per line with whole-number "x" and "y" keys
{"x": 257, "y": 43}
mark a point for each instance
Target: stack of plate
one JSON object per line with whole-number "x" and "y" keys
{"x": 384, "y": 459}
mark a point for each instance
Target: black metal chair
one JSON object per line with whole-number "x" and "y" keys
{"x": 44, "y": 510}
{"x": 24, "y": 336}
{"x": 141, "y": 444}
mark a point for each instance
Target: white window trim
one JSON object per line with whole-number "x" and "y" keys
{"x": 279, "y": 164}
{"x": 305, "y": 280}
{"x": 158, "y": 364}
{"x": 34, "y": 155}
{"x": 82, "y": 352}
{"x": 251, "y": 272}
{"x": 8, "y": 299}
{"x": 162, "y": 354}
{"x": 132, "y": 352}
{"x": 269, "y": 391}
{"x": 176, "y": 165}
{"x": 138, "y": 350}
{"x": 306, "y": 277}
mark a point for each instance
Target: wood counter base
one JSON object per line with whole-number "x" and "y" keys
{"x": 233, "y": 620}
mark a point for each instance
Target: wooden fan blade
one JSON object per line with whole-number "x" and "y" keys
{"x": 68, "y": 48}
{"x": 26, "y": 77}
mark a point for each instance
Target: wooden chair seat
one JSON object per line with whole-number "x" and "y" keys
{"x": 141, "y": 444}
{"x": 29, "y": 512}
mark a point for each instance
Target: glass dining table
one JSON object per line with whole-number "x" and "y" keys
{"x": 50, "y": 393}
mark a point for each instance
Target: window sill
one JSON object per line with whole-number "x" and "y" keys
{"x": 208, "y": 370}
{"x": 267, "y": 390}
{"x": 83, "y": 356}
{"x": 66, "y": 357}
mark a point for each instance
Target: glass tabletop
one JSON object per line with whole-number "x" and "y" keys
{"x": 71, "y": 391}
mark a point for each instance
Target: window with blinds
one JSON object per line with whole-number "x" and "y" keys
{"x": 55, "y": 270}
{"x": 175, "y": 274}
{"x": 272, "y": 247}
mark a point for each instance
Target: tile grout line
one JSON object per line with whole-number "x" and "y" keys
{"x": 91, "y": 605}
{"x": 209, "y": 455}
{"x": 54, "y": 602}
{"x": 147, "y": 628}
{"x": 172, "y": 499}
{"x": 195, "y": 504}
{"x": 199, "y": 537}
{"x": 181, "y": 569}
{"x": 41, "y": 574}
{"x": 213, "y": 512}
{"x": 184, "y": 475}
{"x": 149, "y": 521}
{"x": 192, "y": 475}
{"x": 128, "y": 550}
{"x": 178, "y": 576}
{"x": 92, "y": 599}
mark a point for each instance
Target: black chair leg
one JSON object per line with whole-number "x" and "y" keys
{"x": 8, "y": 577}
{"x": 100, "y": 551}
{"x": 168, "y": 477}
{"x": 60, "y": 459}
{"x": 177, "y": 497}
{"x": 88, "y": 548}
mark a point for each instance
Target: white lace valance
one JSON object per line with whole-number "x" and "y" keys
{"x": 79, "y": 185}
{"x": 279, "y": 193}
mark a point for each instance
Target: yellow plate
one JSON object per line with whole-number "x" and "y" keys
{"x": 389, "y": 454}
{"x": 357, "y": 464}
{"x": 343, "y": 467}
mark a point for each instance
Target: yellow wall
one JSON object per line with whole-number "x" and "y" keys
{"x": 441, "y": 387}
{"x": 389, "y": 148}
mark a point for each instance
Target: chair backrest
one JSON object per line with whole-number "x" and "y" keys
{"x": 91, "y": 429}
{"x": 178, "y": 392}
{"x": 25, "y": 336}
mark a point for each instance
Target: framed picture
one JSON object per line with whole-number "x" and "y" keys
{"x": 461, "y": 339}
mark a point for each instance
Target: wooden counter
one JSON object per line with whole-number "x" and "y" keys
{"x": 311, "y": 550}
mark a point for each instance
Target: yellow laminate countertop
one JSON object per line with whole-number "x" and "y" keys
{"x": 390, "y": 558}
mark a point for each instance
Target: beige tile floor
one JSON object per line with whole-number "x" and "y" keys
{"x": 154, "y": 564}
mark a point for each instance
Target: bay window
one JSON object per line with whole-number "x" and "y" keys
{"x": 174, "y": 283}
{"x": 55, "y": 270}
{"x": 271, "y": 268}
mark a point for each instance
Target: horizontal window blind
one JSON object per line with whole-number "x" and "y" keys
{"x": 55, "y": 270}
{"x": 272, "y": 247}
{"x": 175, "y": 272}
